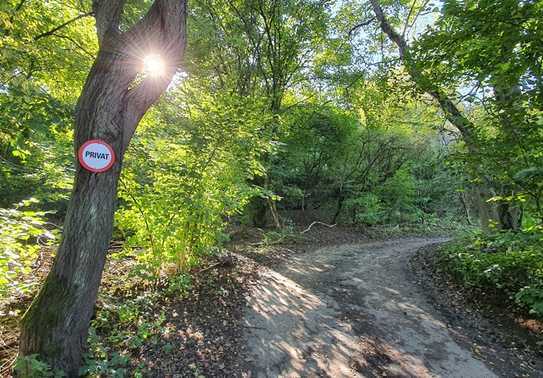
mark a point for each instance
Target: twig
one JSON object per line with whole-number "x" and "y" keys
{"x": 6, "y": 367}
{"x": 314, "y": 223}
{"x": 226, "y": 260}
{"x": 210, "y": 267}
{"x": 360, "y": 25}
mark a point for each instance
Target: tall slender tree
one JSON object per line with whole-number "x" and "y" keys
{"x": 115, "y": 97}
{"x": 503, "y": 214}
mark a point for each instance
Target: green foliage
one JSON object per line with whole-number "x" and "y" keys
{"x": 41, "y": 74}
{"x": 31, "y": 367}
{"x": 493, "y": 47}
{"x": 275, "y": 103}
{"x": 182, "y": 183}
{"x": 378, "y": 163}
{"x": 256, "y": 47}
{"x": 178, "y": 285}
{"x": 506, "y": 262}
{"x": 110, "y": 367}
{"x": 121, "y": 330}
{"x": 398, "y": 194}
{"x": 531, "y": 297}
{"x": 23, "y": 232}
{"x": 287, "y": 234}
{"x": 367, "y": 209}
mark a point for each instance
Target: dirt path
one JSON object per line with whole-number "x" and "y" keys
{"x": 348, "y": 311}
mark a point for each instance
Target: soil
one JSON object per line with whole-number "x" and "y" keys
{"x": 359, "y": 310}
{"x": 201, "y": 335}
{"x": 495, "y": 326}
{"x": 204, "y": 329}
{"x": 328, "y": 303}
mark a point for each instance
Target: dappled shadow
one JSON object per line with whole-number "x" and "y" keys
{"x": 296, "y": 333}
{"x": 349, "y": 312}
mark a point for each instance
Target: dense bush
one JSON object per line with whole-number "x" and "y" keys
{"x": 187, "y": 173}
{"x": 361, "y": 170}
{"x": 507, "y": 263}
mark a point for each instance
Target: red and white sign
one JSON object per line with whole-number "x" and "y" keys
{"x": 96, "y": 156}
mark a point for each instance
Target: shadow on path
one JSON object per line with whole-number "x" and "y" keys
{"x": 350, "y": 311}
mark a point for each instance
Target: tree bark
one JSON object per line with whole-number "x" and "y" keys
{"x": 510, "y": 216}
{"x": 449, "y": 108}
{"x": 487, "y": 212}
{"x": 339, "y": 207}
{"x": 465, "y": 206}
{"x": 110, "y": 107}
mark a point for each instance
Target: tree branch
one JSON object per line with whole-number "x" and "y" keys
{"x": 314, "y": 223}
{"x": 408, "y": 17}
{"x": 55, "y": 29}
{"x": 77, "y": 44}
{"x": 361, "y": 25}
{"x": 449, "y": 108}
{"x": 162, "y": 31}
{"x": 108, "y": 15}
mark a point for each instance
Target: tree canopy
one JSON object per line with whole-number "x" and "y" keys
{"x": 267, "y": 113}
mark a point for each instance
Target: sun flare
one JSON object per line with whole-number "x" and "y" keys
{"x": 153, "y": 65}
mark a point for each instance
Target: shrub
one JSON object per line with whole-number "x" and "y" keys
{"x": 532, "y": 298}
{"x": 31, "y": 367}
{"x": 22, "y": 229}
{"x": 508, "y": 263}
{"x": 182, "y": 184}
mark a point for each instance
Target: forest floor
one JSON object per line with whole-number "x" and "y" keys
{"x": 370, "y": 309}
{"x": 332, "y": 302}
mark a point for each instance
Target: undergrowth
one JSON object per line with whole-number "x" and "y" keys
{"x": 508, "y": 264}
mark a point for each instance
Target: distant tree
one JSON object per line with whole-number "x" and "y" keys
{"x": 453, "y": 56}
{"x": 494, "y": 48}
{"x": 260, "y": 48}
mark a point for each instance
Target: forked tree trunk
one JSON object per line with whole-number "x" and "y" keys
{"x": 110, "y": 106}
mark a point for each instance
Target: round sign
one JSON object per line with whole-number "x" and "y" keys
{"x": 96, "y": 156}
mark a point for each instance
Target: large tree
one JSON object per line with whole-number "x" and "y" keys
{"x": 506, "y": 214}
{"x": 115, "y": 97}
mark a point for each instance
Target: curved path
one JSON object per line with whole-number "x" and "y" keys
{"x": 351, "y": 311}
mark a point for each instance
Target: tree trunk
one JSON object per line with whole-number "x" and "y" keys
{"x": 56, "y": 324}
{"x": 465, "y": 206}
{"x": 339, "y": 207}
{"x": 486, "y": 210}
{"x": 449, "y": 108}
{"x": 110, "y": 107}
{"x": 510, "y": 216}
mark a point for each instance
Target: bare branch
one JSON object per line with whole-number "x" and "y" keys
{"x": 314, "y": 223}
{"x": 420, "y": 13}
{"x": 361, "y": 25}
{"x": 408, "y": 17}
